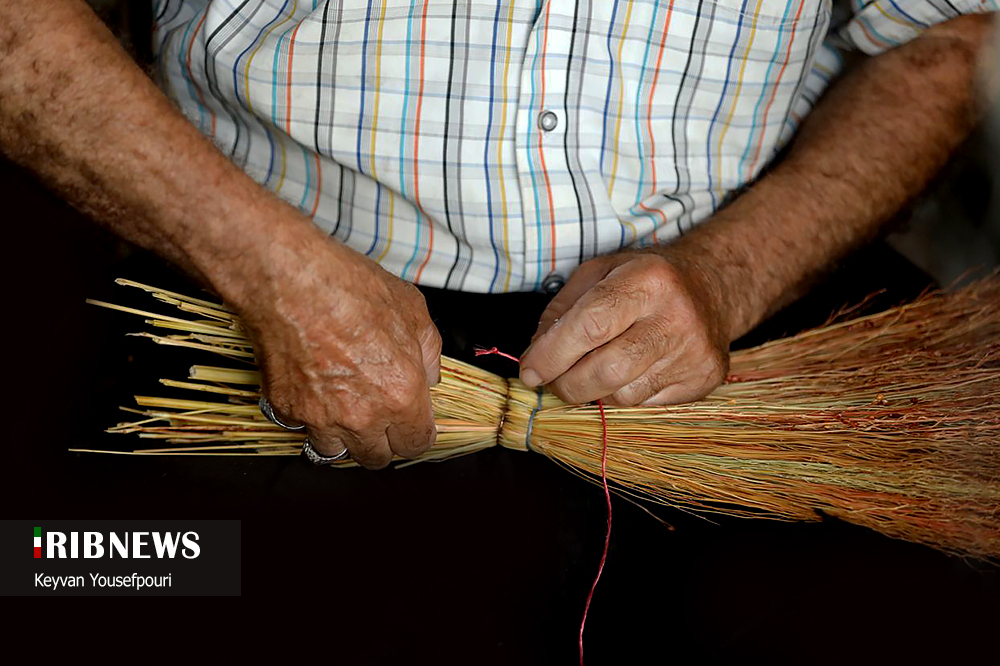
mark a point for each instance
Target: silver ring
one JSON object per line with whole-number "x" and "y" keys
{"x": 315, "y": 458}
{"x": 268, "y": 412}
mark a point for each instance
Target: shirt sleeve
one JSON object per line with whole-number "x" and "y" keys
{"x": 877, "y": 26}
{"x": 871, "y": 27}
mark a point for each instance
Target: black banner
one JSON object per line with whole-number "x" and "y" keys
{"x": 120, "y": 557}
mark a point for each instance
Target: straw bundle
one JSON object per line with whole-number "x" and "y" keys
{"x": 889, "y": 421}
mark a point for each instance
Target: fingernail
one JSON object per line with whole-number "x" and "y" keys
{"x": 530, "y": 378}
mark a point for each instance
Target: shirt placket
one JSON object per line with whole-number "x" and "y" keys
{"x": 541, "y": 122}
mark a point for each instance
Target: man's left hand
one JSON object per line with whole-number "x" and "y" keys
{"x": 632, "y": 329}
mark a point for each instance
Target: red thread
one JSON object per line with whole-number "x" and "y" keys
{"x": 604, "y": 482}
{"x": 485, "y": 352}
{"x": 607, "y": 534}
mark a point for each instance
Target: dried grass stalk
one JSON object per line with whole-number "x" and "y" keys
{"x": 888, "y": 421}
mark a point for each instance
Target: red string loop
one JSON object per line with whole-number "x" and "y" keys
{"x": 485, "y": 352}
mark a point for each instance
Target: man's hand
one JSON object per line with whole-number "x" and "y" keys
{"x": 654, "y": 328}
{"x": 631, "y": 328}
{"x": 347, "y": 349}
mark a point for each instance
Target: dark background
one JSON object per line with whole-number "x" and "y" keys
{"x": 484, "y": 559}
{"x": 488, "y": 558}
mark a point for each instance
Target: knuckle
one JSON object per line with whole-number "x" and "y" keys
{"x": 662, "y": 279}
{"x": 645, "y": 342}
{"x": 596, "y": 326}
{"x": 627, "y": 396}
{"x": 646, "y": 386}
{"x": 396, "y": 398}
{"x": 305, "y": 411}
{"x": 654, "y": 275}
{"x": 401, "y": 396}
{"x": 418, "y": 442}
{"x": 326, "y": 444}
{"x": 435, "y": 340}
{"x": 421, "y": 445}
{"x": 359, "y": 418}
{"x": 429, "y": 338}
{"x": 615, "y": 373}
{"x": 379, "y": 457}
{"x": 372, "y": 455}
{"x": 375, "y": 462}
{"x": 282, "y": 404}
{"x": 700, "y": 390}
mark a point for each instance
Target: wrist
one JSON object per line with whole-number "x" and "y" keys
{"x": 246, "y": 242}
{"x": 746, "y": 259}
{"x": 708, "y": 285}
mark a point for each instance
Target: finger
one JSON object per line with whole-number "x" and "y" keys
{"x": 331, "y": 440}
{"x": 675, "y": 394}
{"x": 579, "y": 283}
{"x": 668, "y": 382}
{"x": 280, "y": 411}
{"x": 551, "y": 316}
{"x": 369, "y": 448}
{"x": 662, "y": 374}
{"x": 415, "y": 432}
{"x": 373, "y": 451}
{"x": 613, "y": 366}
{"x": 286, "y": 420}
{"x": 688, "y": 389}
{"x": 430, "y": 351}
{"x": 603, "y": 313}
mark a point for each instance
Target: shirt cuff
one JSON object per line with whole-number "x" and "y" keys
{"x": 878, "y": 26}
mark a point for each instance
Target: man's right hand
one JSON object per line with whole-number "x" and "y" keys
{"x": 345, "y": 348}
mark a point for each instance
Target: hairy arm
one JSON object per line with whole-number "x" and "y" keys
{"x": 74, "y": 109}
{"x": 345, "y": 347}
{"x": 655, "y": 326}
{"x": 872, "y": 144}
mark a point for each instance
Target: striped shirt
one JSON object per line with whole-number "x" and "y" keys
{"x": 494, "y": 145}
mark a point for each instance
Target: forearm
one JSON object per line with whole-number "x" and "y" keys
{"x": 76, "y": 110}
{"x": 872, "y": 143}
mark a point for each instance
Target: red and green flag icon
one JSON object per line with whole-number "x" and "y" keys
{"x": 38, "y": 542}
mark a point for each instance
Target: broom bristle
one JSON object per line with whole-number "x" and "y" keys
{"x": 888, "y": 421}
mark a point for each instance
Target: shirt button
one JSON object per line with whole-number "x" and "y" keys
{"x": 553, "y": 283}
{"x": 547, "y": 121}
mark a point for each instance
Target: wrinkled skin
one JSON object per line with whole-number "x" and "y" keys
{"x": 632, "y": 329}
{"x": 349, "y": 350}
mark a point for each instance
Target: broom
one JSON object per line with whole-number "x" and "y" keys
{"x": 888, "y": 421}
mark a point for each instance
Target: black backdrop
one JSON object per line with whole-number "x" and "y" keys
{"x": 485, "y": 559}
